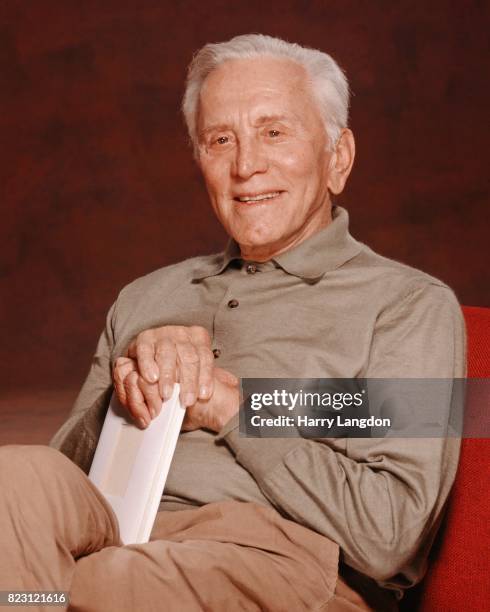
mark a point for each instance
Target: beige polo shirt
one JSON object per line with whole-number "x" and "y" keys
{"x": 328, "y": 308}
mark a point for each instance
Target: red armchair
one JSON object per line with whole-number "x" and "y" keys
{"x": 458, "y": 579}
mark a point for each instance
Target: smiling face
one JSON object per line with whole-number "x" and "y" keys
{"x": 263, "y": 153}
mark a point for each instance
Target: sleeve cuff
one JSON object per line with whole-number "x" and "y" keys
{"x": 258, "y": 455}
{"x": 228, "y": 427}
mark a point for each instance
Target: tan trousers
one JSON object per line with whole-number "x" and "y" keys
{"x": 58, "y": 533}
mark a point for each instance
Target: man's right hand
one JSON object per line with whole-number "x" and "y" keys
{"x": 164, "y": 356}
{"x": 143, "y": 401}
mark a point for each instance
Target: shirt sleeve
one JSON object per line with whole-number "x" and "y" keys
{"x": 77, "y": 438}
{"x": 380, "y": 499}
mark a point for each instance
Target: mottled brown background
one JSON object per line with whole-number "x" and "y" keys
{"x": 98, "y": 185}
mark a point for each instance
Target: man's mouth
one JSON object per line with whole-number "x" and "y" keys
{"x": 257, "y": 197}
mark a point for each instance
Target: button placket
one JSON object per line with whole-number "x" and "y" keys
{"x": 221, "y": 322}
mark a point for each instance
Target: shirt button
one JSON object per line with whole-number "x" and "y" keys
{"x": 251, "y": 269}
{"x": 216, "y": 353}
{"x": 233, "y": 303}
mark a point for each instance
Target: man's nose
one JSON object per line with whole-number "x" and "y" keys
{"x": 250, "y": 159}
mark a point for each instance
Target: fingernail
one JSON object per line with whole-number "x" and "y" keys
{"x": 153, "y": 414}
{"x": 189, "y": 399}
{"x": 167, "y": 391}
{"x": 153, "y": 376}
{"x": 143, "y": 422}
{"x": 203, "y": 391}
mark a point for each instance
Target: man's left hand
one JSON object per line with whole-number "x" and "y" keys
{"x": 215, "y": 412}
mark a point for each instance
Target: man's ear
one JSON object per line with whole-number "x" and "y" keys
{"x": 341, "y": 161}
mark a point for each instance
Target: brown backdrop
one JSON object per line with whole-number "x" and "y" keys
{"x": 97, "y": 181}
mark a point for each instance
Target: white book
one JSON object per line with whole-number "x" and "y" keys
{"x": 131, "y": 465}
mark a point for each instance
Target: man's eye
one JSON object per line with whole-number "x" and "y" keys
{"x": 274, "y": 133}
{"x": 222, "y": 140}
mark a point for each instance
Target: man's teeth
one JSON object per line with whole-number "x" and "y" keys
{"x": 256, "y": 198}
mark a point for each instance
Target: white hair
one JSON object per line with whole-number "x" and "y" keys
{"x": 329, "y": 84}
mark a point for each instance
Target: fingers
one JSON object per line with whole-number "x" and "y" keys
{"x": 215, "y": 412}
{"x": 206, "y": 368}
{"x": 189, "y": 424}
{"x": 143, "y": 350}
{"x": 166, "y": 360}
{"x": 226, "y": 377}
{"x": 151, "y": 395}
{"x": 142, "y": 399}
{"x": 195, "y": 361}
{"x": 135, "y": 400}
{"x": 122, "y": 368}
{"x": 144, "y": 402}
{"x": 189, "y": 372}
{"x": 175, "y": 353}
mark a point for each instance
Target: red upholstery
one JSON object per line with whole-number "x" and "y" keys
{"x": 458, "y": 579}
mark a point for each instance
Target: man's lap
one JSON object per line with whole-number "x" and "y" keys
{"x": 227, "y": 555}
{"x": 224, "y": 556}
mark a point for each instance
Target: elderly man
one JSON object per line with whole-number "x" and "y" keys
{"x": 252, "y": 524}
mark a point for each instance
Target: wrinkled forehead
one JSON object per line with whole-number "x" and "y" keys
{"x": 263, "y": 85}
{"x": 256, "y": 69}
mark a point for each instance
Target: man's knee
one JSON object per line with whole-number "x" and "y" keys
{"x": 21, "y": 463}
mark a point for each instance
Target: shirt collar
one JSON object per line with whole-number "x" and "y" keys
{"x": 219, "y": 262}
{"x": 322, "y": 252}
